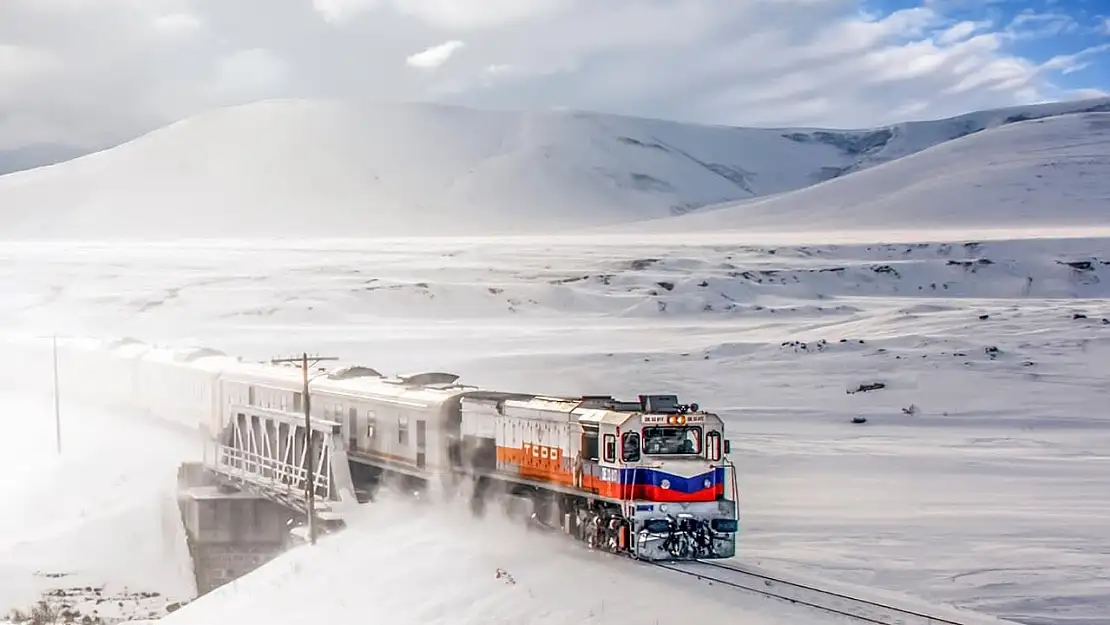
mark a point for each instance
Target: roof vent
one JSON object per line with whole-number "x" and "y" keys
{"x": 431, "y": 378}
{"x": 353, "y": 371}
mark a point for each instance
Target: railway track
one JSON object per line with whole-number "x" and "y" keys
{"x": 861, "y": 610}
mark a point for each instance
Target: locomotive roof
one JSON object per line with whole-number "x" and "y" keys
{"x": 597, "y": 416}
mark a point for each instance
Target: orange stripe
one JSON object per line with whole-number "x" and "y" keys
{"x": 530, "y": 463}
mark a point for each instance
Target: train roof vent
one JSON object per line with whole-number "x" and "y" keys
{"x": 200, "y": 352}
{"x": 596, "y": 401}
{"x": 353, "y": 371}
{"x": 431, "y": 378}
{"x": 607, "y": 402}
{"x": 122, "y": 342}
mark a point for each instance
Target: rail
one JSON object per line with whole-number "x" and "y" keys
{"x": 862, "y": 610}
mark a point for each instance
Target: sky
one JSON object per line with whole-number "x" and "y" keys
{"x": 95, "y": 72}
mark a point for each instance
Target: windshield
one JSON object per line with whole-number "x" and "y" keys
{"x": 672, "y": 440}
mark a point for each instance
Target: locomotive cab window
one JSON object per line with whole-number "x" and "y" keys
{"x": 589, "y": 443}
{"x": 713, "y": 445}
{"x": 630, "y": 451}
{"x": 610, "y": 448}
{"x": 370, "y": 423}
{"x": 672, "y": 440}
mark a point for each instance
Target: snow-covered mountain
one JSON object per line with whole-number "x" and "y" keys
{"x": 323, "y": 168}
{"x": 880, "y": 145}
{"x": 37, "y": 155}
{"x": 1046, "y": 173}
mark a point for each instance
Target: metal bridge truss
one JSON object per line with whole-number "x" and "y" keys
{"x": 263, "y": 452}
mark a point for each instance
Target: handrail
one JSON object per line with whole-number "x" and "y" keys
{"x": 735, "y": 487}
{"x": 269, "y": 472}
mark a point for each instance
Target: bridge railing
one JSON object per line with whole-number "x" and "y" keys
{"x": 270, "y": 473}
{"x": 266, "y": 449}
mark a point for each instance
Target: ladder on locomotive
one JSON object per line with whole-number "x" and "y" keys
{"x": 263, "y": 451}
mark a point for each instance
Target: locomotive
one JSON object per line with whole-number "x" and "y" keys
{"x": 648, "y": 478}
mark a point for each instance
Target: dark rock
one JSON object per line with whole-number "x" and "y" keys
{"x": 863, "y": 388}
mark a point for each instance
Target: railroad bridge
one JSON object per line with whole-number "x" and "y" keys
{"x": 263, "y": 451}
{"x": 239, "y": 503}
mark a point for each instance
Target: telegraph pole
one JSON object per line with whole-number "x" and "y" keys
{"x": 57, "y": 399}
{"x": 310, "y": 463}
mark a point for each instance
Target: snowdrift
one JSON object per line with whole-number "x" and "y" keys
{"x": 405, "y": 564}
{"x": 290, "y": 169}
{"x": 1047, "y": 173}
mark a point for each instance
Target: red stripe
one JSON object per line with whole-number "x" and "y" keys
{"x": 647, "y": 492}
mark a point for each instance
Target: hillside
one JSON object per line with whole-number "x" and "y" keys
{"x": 1048, "y": 173}
{"x": 37, "y": 155}
{"x": 322, "y": 168}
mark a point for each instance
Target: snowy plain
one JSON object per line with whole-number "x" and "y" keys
{"x": 990, "y": 493}
{"x": 991, "y": 497}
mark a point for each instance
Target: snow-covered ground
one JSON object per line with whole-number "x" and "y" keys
{"x": 409, "y": 564}
{"x": 991, "y": 495}
{"x": 978, "y": 478}
{"x": 98, "y": 526}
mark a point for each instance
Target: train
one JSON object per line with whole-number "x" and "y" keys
{"x": 648, "y": 477}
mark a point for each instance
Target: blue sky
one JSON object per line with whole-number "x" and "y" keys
{"x": 1076, "y": 33}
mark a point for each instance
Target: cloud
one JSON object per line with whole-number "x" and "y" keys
{"x": 1068, "y": 63}
{"x": 341, "y": 11}
{"x": 459, "y": 15}
{"x": 434, "y": 56}
{"x": 88, "y": 72}
{"x": 1030, "y": 24}
{"x": 177, "y": 22}
{"x": 1084, "y": 94}
{"x": 247, "y": 75}
{"x": 960, "y": 31}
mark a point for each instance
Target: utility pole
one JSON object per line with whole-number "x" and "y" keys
{"x": 57, "y": 399}
{"x": 310, "y": 462}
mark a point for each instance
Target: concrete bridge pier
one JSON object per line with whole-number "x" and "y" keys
{"x": 230, "y": 533}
